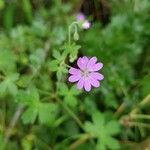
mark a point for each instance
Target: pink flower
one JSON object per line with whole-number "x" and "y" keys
{"x": 84, "y": 23}
{"x": 80, "y": 17}
{"x": 86, "y": 76}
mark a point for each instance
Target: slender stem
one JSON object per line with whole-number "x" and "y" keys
{"x": 142, "y": 103}
{"x": 140, "y": 116}
{"x": 75, "y": 23}
{"x": 43, "y": 144}
{"x": 67, "y": 66}
{"x": 120, "y": 109}
{"x": 2, "y": 77}
{"x": 71, "y": 113}
{"x": 60, "y": 120}
{"x": 138, "y": 124}
{"x": 13, "y": 123}
{"x": 47, "y": 93}
{"x": 69, "y": 35}
{"x": 80, "y": 141}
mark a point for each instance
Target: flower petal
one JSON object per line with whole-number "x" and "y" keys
{"x": 80, "y": 83}
{"x": 87, "y": 85}
{"x": 97, "y": 76}
{"x": 86, "y": 24}
{"x": 94, "y": 82}
{"x": 91, "y": 62}
{"x": 96, "y": 67}
{"x": 74, "y": 71}
{"x": 80, "y": 17}
{"x": 82, "y": 62}
{"x": 74, "y": 78}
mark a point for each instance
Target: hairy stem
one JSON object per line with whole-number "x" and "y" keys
{"x": 13, "y": 123}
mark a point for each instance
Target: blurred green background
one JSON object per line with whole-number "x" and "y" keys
{"x": 40, "y": 110}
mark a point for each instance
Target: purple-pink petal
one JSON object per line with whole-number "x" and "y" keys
{"x": 87, "y": 85}
{"x": 86, "y": 25}
{"x": 74, "y": 78}
{"x": 74, "y": 71}
{"x": 96, "y": 67}
{"x": 80, "y": 17}
{"x": 86, "y": 76}
{"x": 94, "y": 82}
{"x": 96, "y": 76}
{"x": 91, "y": 62}
{"x": 80, "y": 83}
{"x": 82, "y": 62}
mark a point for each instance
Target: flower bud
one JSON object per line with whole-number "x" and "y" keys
{"x": 76, "y": 36}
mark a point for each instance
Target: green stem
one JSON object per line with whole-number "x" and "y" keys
{"x": 140, "y": 116}
{"x": 73, "y": 24}
{"x": 67, "y": 66}
{"x": 69, "y": 35}
{"x": 145, "y": 101}
{"x": 80, "y": 141}
{"x": 2, "y": 77}
{"x": 46, "y": 93}
{"x": 139, "y": 124}
{"x": 71, "y": 113}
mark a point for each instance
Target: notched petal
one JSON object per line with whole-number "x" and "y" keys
{"x": 97, "y": 76}
{"x": 91, "y": 62}
{"x": 74, "y": 78}
{"x": 80, "y": 83}
{"x": 82, "y": 62}
{"x": 87, "y": 85}
{"x": 96, "y": 67}
{"x": 74, "y": 71}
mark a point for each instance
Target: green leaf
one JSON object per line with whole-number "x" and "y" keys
{"x": 47, "y": 112}
{"x": 23, "y": 97}
{"x": 73, "y": 52}
{"x": 2, "y": 141}
{"x": 28, "y": 97}
{"x": 56, "y": 54}
{"x": 75, "y": 91}
{"x": 24, "y": 80}
{"x": 70, "y": 100}
{"x": 112, "y": 143}
{"x": 145, "y": 82}
{"x": 63, "y": 89}
{"x": 8, "y": 18}
{"x": 9, "y": 85}
{"x": 3, "y": 88}
{"x": 112, "y": 127}
{"x": 12, "y": 88}
{"x": 27, "y": 8}
{"x": 7, "y": 61}
{"x": 69, "y": 94}
{"x": 103, "y": 131}
{"x": 34, "y": 95}
{"x": 61, "y": 70}
{"x": 90, "y": 128}
{"x": 29, "y": 116}
{"x": 100, "y": 121}
{"x": 100, "y": 145}
{"x": 37, "y": 58}
{"x": 26, "y": 143}
{"x": 2, "y": 4}
{"x": 53, "y": 65}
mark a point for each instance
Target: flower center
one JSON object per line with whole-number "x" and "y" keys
{"x": 85, "y": 73}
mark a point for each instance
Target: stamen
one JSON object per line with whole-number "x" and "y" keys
{"x": 85, "y": 73}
